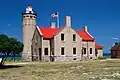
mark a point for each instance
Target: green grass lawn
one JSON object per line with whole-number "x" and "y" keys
{"x": 84, "y": 70}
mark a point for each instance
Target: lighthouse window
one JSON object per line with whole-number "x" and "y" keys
{"x": 27, "y": 16}
{"x": 23, "y": 16}
{"x": 30, "y": 16}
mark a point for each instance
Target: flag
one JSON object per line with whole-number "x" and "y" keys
{"x": 54, "y": 15}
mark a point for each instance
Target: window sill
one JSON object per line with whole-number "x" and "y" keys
{"x": 74, "y": 55}
{"x": 90, "y": 54}
{"x": 62, "y": 55}
{"x": 63, "y": 41}
{"x": 74, "y": 41}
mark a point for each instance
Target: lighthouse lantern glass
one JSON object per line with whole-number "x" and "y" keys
{"x": 29, "y": 9}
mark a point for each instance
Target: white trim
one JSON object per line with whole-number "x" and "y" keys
{"x": 34, "y": 55}
{"x": 63, "y": 55}
{"x": 90, "y": 34}
{"x": 74, "y": 54}
{"x": 39, "y": 30}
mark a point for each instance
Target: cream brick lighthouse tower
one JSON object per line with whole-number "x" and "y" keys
{"x": 28, "y": 28}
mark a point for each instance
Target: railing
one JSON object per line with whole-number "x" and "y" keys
{"x": 35, "y": 13}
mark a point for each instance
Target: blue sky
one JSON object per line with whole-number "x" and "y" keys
{"x": 101, "y": 16}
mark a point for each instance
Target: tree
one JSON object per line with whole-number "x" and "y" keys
{"x": 16, "y": 47}
{"x": 9, "y": 46}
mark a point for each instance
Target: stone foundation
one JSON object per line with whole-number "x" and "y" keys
{"x": 45, "y": 58}
{"x": 67, "y": 58}
{"x": 26, "y": 57}
{"x": 61, "y": 58}
{"x": 57, "y": 58}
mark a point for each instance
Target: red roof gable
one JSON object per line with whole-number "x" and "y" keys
{"x": 85, "y": 36}
{"x": 49, "y": 32}
{"x": 97, "y": 46}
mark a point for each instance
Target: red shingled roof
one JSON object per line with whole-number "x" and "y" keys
{"x": 49, "y": 33}
{"x": 85, "y": 36}
{"x": 97, "y": 46}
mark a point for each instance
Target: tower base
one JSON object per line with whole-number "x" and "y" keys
{"x": 27, "y": 57}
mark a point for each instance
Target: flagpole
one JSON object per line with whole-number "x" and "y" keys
{"x": 57, "y": 20}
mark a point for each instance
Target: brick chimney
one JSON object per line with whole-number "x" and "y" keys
{"x": 68, "y": 21}
{"x": 52, "y": 25}
{"x": 85, "y": 28}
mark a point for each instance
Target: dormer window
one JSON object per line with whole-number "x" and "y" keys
{"x": 74, "y": 37}
{"x": 62, "y": 37}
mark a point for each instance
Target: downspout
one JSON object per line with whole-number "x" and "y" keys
{"x": 50, "y": 50}
{"x": 41, "y": 53}
{"x": 42, "y": 49}
{"x": 87, "y": 51}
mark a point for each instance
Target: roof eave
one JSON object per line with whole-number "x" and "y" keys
{"x": 39, "y": 31}
{"x": 90, "y": 35}
{"x": 88, "y": 40}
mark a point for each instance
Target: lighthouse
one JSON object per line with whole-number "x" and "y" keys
{"x": 28, "y": 28}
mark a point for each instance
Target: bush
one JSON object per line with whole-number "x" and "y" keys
{"x": 101, "y": 57}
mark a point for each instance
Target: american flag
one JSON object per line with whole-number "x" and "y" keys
{"x": 54, "y": 15}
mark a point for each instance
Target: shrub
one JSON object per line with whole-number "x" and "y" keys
{"x": 101, "y": 57}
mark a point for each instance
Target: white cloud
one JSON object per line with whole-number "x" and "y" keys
{"x": 8, "y": 25}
